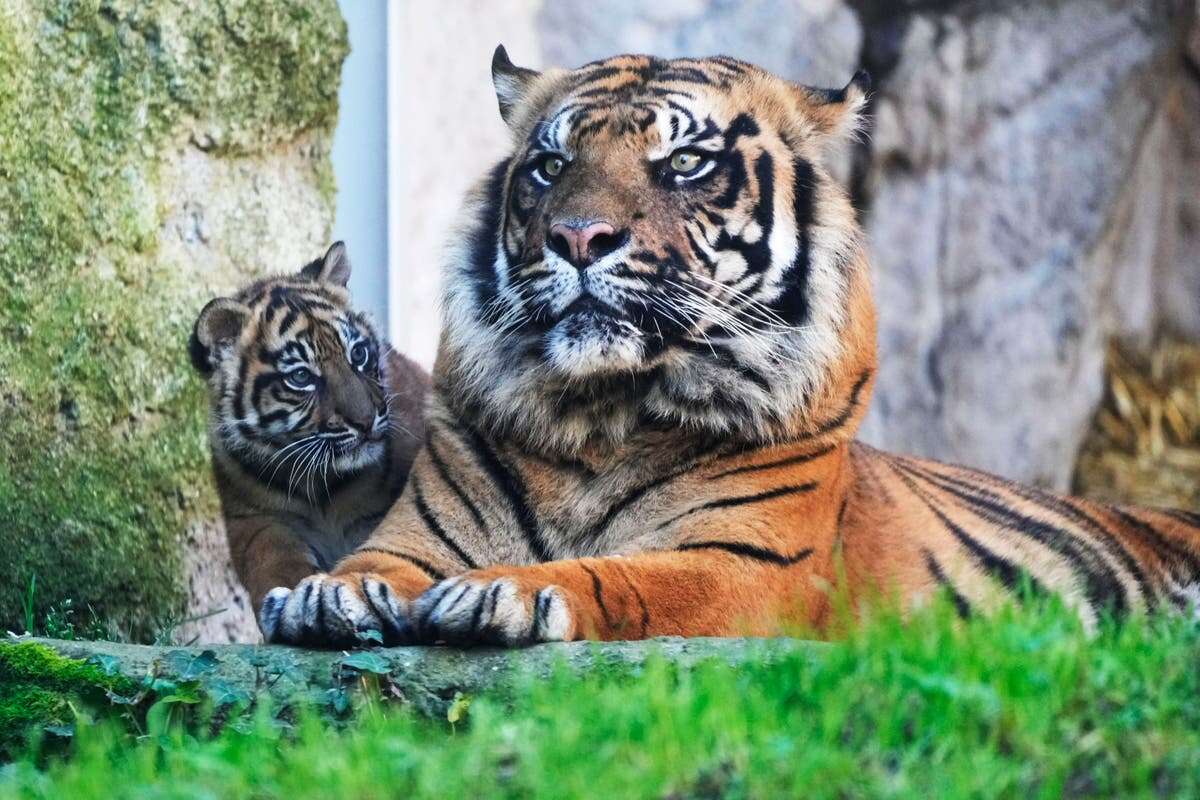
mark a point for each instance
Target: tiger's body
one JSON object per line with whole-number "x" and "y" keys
{"x": 304, "y": 473}
{"x": 658, "y": 344}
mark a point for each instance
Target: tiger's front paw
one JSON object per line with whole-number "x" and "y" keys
{"x": 335, "y": 611}
{"x": 477, "y": 609}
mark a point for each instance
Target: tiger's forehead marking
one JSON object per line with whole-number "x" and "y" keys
{"x": 301, "y": 323}
{"x": 665, "y": 101}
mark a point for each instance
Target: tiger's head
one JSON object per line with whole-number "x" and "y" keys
{"x": 294, "y": 374}
{"x": 664, "y": 246}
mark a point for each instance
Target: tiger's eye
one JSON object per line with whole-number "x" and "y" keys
{"x": 685, "y": 161}
{"x": 300, "y": 378}
{"x": 553, "y": 166}
{"x": 359, "y": 355}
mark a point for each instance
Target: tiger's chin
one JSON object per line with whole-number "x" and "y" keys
{"x": 589, "y": 344}
{"x": 365, "y": 455}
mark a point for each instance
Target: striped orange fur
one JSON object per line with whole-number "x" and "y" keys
{"x": 659, "y": 340}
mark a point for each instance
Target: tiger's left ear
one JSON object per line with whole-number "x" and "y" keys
{"x": 220, "y": 322}
{"x": 837, "y": 112}
{"x": 334, "y": 267}
{"x": 512, "y": 83}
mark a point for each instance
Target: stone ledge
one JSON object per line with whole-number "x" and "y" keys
{"x": 428, "y": 678}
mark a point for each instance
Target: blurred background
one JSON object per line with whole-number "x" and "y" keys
{"x": 1029, "y": 183}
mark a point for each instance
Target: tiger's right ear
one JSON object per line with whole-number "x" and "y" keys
{"x": 220, "y": 321}
{"x": 512, "y": 83}
{"x": 838, "y": 113}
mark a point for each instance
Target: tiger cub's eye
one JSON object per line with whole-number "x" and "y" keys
{"x": 300, "y": 379}
{"x": 359, "y": 355}
{"x": 553, "y": 166}
{"x": 686, "y": 161}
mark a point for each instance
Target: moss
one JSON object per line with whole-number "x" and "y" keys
{"x": 38, "y": 687}
{"x": 102, "y": 454}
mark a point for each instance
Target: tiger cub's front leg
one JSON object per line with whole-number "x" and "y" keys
{"x": 701, "y": 589}
{"x": 370, "y": 590}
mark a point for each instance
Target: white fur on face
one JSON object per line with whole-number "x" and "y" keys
{"x": 598, "y": 339}
{"x": 516, "y": 378}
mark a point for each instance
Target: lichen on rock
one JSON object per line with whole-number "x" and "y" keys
{"x": 102, "y": 454}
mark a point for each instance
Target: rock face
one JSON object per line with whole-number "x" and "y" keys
{"x": 151, "y": 155}
{"x": 1023, "y": 199}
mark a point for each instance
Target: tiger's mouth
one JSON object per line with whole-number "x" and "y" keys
{"x": 591, "y": 337}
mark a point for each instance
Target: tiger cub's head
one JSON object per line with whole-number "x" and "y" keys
{"x": 294, "y": 374}
{"x": 664, "y": 246}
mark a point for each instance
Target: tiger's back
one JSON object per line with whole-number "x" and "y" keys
{"x": 979, "y": 536}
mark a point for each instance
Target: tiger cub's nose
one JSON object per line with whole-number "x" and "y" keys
{"x": 584, "y": 242}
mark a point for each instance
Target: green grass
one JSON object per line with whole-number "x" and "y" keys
{"x": 1021, "y": 705}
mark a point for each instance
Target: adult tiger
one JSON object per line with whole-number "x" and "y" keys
{"x": 659, "y": 340}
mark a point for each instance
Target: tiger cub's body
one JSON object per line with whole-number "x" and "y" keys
{"x": 305, "y": 469}
{"x": 659, "y": 340}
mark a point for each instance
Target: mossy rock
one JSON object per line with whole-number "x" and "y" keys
{"x": 102, "y": 455}
{"x": 41, "y": 689}
{"x": 427, "y": 679}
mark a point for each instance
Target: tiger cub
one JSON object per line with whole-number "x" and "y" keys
{"x": 314, "y": 421}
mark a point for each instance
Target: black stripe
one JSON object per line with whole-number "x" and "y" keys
{"x": 1102, "y": 587}
{"x": 479, "y": 606}
{"x": 431, "y": 522}
{"x": 637, "y": 493}
{"x": 1177, "y": 556}
{"x": 513, "y": 488}
{"x": 1064, "y": 507}
{"x": 1000, "y": 568}
{"x": 935, "y": 569}
{"x": 641, "y": 601}
{"x": 424, "y": 566}
{"x": 239, "y": 400}
{"x": 1179, "y": 515}
{"x": 831, "y": 425}
{"x": 541, "y": 608}
{"x": 629, "y": 499}
{"x": 792, "y": 303}
{"x": 598, "y": 594}
{"x": 482, "y": 240}
{"x": 741, "y": 500}
{"x": 750, "y": 551}
{"x": 783, "y": 462}
{"x": 444, "y": 474}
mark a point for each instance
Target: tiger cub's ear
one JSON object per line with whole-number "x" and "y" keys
{"x": 837, "y": 112}
{"x": 334, "y": 267}
{"x": 512, "y": 83}
{"x": 220, "y": 321}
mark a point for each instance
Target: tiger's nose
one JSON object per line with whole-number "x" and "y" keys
{"x": 584, "y": 242}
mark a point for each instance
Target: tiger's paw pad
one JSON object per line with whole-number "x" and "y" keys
{"x": 466, "y": 610}
{"x": 329, "y": 611}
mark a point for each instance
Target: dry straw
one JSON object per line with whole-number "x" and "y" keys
{"x": 1144, "y": 446}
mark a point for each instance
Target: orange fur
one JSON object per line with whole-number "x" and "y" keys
{"x": 596, "y": 468}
